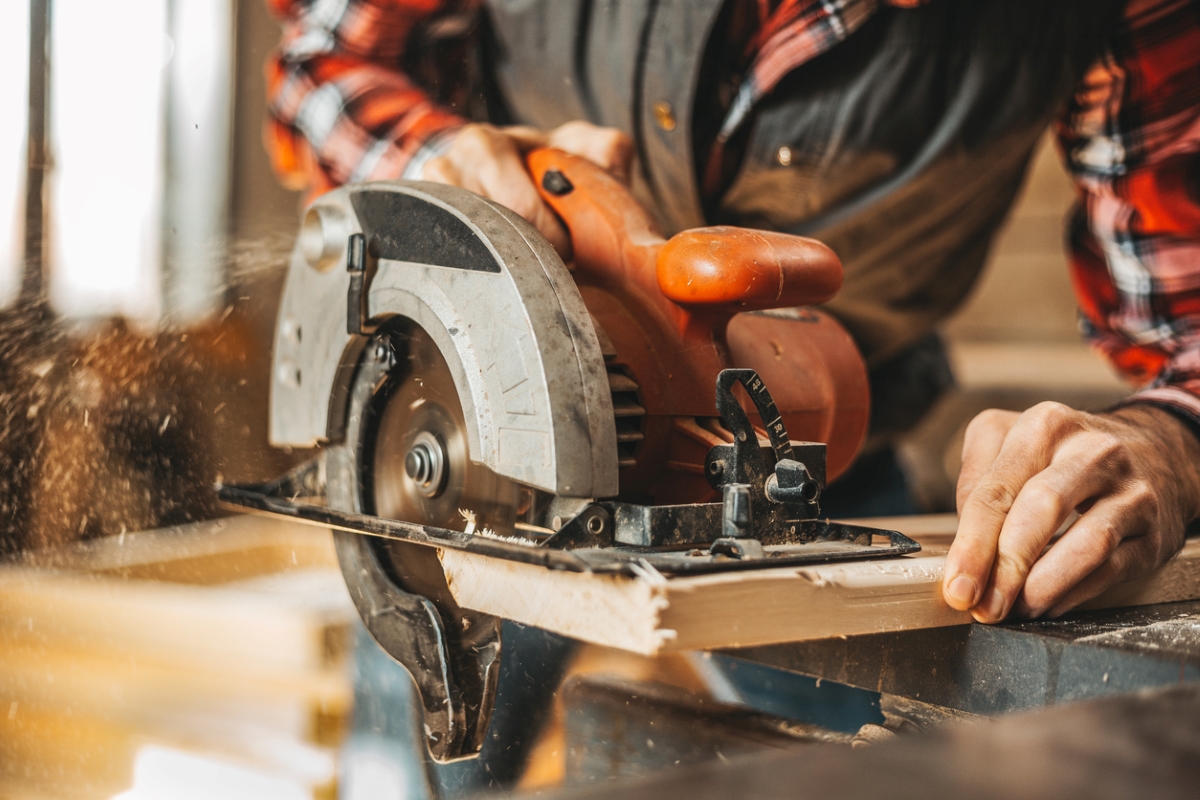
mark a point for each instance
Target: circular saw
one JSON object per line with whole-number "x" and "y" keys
{"x": 673, "y": 405}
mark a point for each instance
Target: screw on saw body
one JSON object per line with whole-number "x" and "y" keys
{"x": 556, "y": 183}
{"x": 716, "y": 468}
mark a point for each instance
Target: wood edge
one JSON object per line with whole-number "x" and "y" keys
{"x": 622, "y": 612}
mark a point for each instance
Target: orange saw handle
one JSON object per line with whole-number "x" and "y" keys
{"x": 670, "y": 309}
{"x": 715, "y": 269}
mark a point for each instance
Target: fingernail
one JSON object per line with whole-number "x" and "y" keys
{"x": 992, "y": 608}
{"x": 962, "y": 591}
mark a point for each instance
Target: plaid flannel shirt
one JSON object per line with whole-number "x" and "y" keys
{"x": 342, "y": 109}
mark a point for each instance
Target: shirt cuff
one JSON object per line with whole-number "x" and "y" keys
{"x": 1180, "y": 403}
{"x": 433, "y": 147}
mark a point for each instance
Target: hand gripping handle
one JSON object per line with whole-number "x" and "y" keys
{"x": 715, "y": 268}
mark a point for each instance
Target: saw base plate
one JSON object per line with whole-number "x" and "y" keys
{"x": 297, "y": 496}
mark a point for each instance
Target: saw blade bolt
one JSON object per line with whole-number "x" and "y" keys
{"x": 425, "y": 464}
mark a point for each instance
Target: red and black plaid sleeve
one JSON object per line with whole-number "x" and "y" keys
{"x": 1131, "y": 138}
{"x": 340, "y": 107}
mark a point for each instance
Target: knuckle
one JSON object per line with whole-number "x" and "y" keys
{"x": 1043, "y": 501}
{"x": 994, "y": 496}
{"x": 471, "y": 134}
{"x": 436, "y": 169}
{"x": 1141, "y": 495}
{"x": 576, "y": 127}
{"x": 986, "y": 420}
{"x": 1109, "y": 449}
{"x": 479, "y": 139}
{"x": 1015, "y": 559}
{"x": 1139, "y": 557}
{"x": 615, "y": 141}
{"x": 962, "y": 494}
{"x": 1052, "y": 415}
{"x": 1102, "y": 541}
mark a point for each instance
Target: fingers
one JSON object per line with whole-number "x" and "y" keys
{"x": 985, "y": 570}
{"x": 610, "y": 148}
{"x": 526, "y": 138}
{"x": 507, "y": 181}
{"x": 1133, "y": 557}
{"x": 1078, "y": 472}
{"x": 1088, "y": 545}
{"x": 981, "y": 515}
{"x": 1129, "y": 473}
{"x": 981, "y": 445}
{"x": 489, "y": 161}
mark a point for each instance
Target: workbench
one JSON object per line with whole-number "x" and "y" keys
{"x": 1016, "y": 666}
{"x": 930, "y": 680}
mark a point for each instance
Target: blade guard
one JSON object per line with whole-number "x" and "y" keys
{"x": 490, "y": 291}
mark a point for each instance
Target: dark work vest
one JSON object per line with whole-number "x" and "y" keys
{"x": 902, "y": 147}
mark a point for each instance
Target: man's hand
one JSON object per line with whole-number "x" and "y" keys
{"x": 1132, "y": 474}
{"x": 490, "y": 161}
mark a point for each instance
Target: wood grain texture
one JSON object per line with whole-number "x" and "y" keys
{"x": 223, "y": 641}
{"x": 204, "y": 553}
{"x": 652, "y": 614}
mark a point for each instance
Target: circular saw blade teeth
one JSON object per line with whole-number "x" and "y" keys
{"x": 418, "y": 452}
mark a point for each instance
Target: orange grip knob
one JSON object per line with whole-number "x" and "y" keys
{"x": 747, "y": 269}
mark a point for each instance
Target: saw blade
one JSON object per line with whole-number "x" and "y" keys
{"x": 420, "y": 461}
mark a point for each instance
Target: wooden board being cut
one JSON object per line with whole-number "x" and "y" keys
{"x": 652, "y": 614}
{"x": 649, "y": 615}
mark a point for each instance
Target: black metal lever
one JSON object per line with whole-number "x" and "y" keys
{"x": 794, "y": 482}
{"x": 361, "y": 267}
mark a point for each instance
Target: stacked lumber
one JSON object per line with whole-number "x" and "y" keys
{"x": 161, "y": 663}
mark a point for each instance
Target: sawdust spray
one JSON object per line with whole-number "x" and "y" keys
{"x": 106, "y": 428}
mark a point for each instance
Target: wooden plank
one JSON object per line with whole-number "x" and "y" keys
{"x": 44, "y": 754}
{"x": 220, "y": 640}
{"x": 654, "y": 614}
{"x": 298, "y": 623}
{"x": 47, "y": 754}
{"x": 152, "y": 694}
{"x": 216, "y": 551}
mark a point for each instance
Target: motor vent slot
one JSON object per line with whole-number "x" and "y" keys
{"x": 628, "y": 411}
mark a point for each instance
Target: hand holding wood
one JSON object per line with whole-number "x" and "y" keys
{"x": 1133, "y": 475}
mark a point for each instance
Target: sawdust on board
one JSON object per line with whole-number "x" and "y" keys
{"x": 469, "y": 517}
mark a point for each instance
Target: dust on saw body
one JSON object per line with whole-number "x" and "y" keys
{"x": 462, "y": 378}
